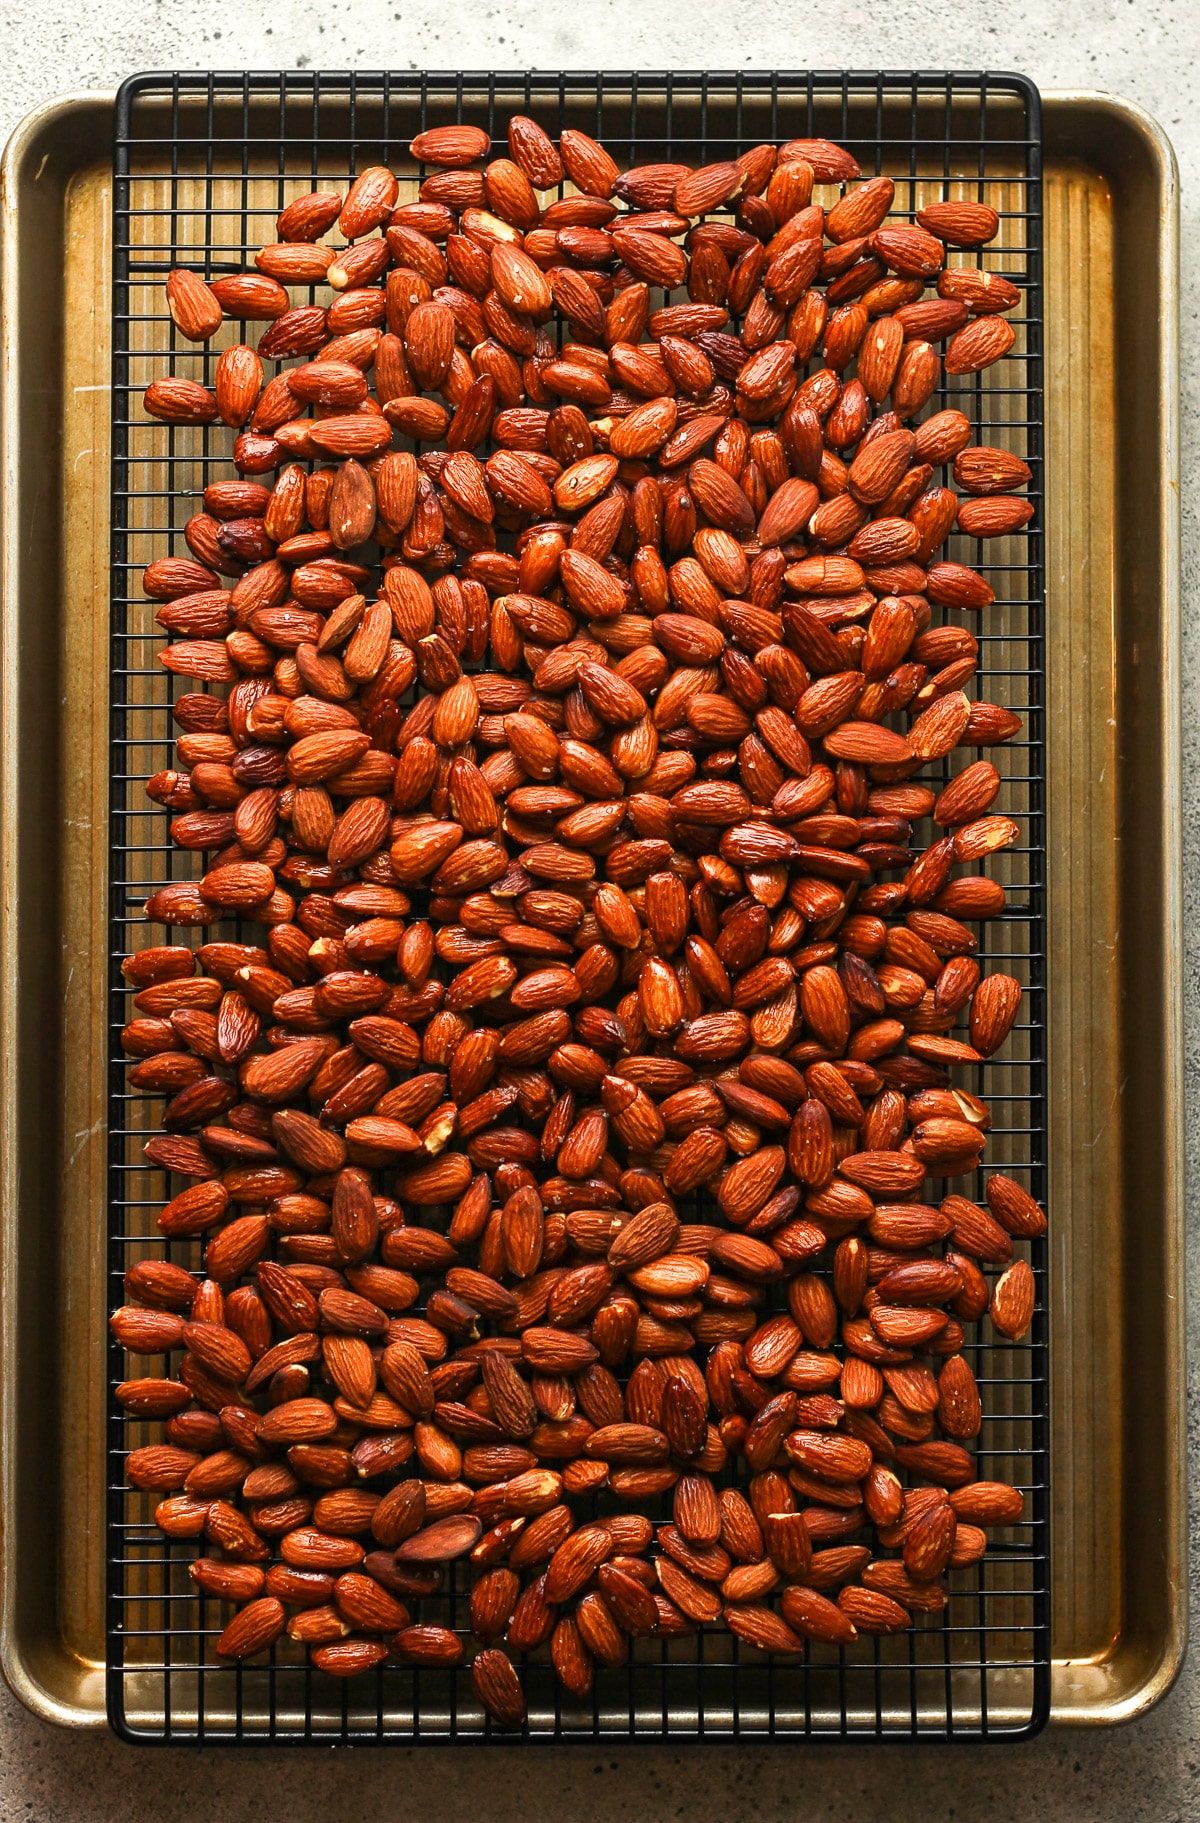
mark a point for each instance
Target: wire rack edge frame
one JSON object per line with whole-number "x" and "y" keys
{"x": 815, "y": 90}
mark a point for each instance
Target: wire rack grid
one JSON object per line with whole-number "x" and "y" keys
{"x": 203, "y": 163}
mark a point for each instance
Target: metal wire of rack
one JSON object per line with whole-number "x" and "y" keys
{"x": 203, "y": 163}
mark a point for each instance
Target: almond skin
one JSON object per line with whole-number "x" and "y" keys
{"x": 451, "y": 146}
{"x": 1013, "y": 1298}
{"x": 564, "y": 1087}
{"x": 253, "y": 1629}
{"x": 984, "y": 340}
{"x": 195, "y": 311}
{"x": 960, "y": 224}
{"x": 498, "y": 1688}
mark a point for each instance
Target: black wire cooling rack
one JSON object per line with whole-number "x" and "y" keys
{"x": 203, "y": 163}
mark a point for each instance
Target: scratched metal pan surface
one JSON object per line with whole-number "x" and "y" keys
{"x": 1118, "y": 1498}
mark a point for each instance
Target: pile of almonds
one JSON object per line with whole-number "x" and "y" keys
{"x": 573, "y": 1142}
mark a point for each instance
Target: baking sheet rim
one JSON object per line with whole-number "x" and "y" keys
{"x": 17, "y": 1670}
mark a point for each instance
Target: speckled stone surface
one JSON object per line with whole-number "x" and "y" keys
{"x": 1146, "y": 49}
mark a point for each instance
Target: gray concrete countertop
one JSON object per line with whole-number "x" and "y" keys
{"x": 1148, "y": 50}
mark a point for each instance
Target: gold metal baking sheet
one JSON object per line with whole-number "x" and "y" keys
{"x": 1112, "y": 693}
